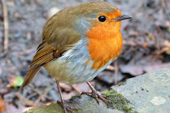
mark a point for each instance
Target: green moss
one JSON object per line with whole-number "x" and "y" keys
{"x": 52, "y": 108}
{"x": 121, "y": 83}
{"x": 74, "y": 97}
{"x": 109, "y": 92}
{"x": 118, "y": 101}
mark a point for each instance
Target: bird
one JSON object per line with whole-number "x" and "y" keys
{"x": 79, "y": 42}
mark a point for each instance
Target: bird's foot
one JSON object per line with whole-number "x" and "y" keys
{"x": 65, "y": 107}
{"x": 97, "y": 96}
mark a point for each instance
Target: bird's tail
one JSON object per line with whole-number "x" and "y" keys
{"x": 30, "y": 75}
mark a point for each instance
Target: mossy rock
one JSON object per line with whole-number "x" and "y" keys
{"x": 148, "y": 93}
{"x": 87, "y": 104}
{"x": 118, "y": 102}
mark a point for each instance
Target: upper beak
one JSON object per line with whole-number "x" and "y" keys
{"x": 123, "y": 17}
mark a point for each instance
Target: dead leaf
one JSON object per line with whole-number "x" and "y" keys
{"x": 10, "y": 108}
{"x": 109, "y": 77}
{"x": 138, "y": 70}
{"x": 65, "y": 86}
{"x": 83, "y": 87}
{"x": 132, "y": 69}
{"x": 15, "y": 81}
{"x": 110, "y": 67}
{"x": 68, "y": 95}
{"x": 2, "y": 105}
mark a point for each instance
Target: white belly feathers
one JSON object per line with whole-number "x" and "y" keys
{"x": 71, "y": 68}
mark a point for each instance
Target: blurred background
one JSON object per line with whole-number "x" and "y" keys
{"x": 146, "y": 49}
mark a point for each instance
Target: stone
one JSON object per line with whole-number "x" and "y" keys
{"x": 148, "y": 93}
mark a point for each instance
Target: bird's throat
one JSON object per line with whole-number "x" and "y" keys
{"x": 105, "y": 44}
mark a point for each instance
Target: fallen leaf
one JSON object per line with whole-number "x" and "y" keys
{"x": 68, "y": 95}
{"x": 109, "y": 77}
{"x": 65, "y": 86}
{"x": 11, "y": 108}
{"x": 2, "y": 105}
{"x": 138, "y": 70}
{"x": 83, "y": 87}
{"x": 15, "y": 81}
{"x": 132, "y": 69}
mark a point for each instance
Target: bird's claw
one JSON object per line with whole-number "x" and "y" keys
{"x": 65, "y": 107}
{"x": 97, "y": 96}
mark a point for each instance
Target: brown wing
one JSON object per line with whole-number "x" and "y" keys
{"x": 57, "y": 37}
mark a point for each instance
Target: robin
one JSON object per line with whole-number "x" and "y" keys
{"x": 77, "y": 43}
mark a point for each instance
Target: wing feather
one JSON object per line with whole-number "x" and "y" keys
{"x": 58, "y": 36}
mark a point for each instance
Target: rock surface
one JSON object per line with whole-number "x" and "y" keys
{"x": 83, "y": 104}
{"x": 149, "y": 93}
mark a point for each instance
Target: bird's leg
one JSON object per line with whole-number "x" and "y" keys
{"x": 62, "y": 101}
{"x": 95, "y": 94}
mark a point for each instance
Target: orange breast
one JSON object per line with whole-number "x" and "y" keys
{"x": 105, "y": 43}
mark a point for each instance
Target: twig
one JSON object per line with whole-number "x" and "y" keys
{"x": 164, "y": 6}
{"x": 76, "y": 89}
{"x": 42, "y": 95}
{"x": 5, "y": 39}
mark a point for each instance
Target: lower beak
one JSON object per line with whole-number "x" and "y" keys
{"x": 123, "y": 17}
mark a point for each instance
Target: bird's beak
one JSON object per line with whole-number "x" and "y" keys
{"x": 123, "y": 17}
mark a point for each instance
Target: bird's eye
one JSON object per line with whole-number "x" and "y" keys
{"x": 102, "y": 18}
